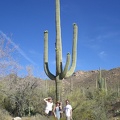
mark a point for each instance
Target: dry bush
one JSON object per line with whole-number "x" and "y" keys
{"x": 38, "y": 117}
{"x": 4, "y": 115}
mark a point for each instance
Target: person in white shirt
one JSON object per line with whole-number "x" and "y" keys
{"x": 49, "y": 106}
{"x": 68, "y": 111}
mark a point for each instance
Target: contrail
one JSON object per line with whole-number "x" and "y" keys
{"x": 18, "y": 49}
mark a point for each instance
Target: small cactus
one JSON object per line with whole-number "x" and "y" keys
{"x": 101, "y": 83}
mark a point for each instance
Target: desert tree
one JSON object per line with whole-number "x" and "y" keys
{"x": 8, "y": 63}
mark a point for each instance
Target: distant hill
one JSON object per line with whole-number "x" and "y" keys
{"x": 87, "y": 79}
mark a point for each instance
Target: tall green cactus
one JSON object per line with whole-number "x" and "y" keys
{"x": 101, "y": 83}
{"x": 60, "y": 72}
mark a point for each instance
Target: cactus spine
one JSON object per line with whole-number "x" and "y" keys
{"x": 60, "y": 72}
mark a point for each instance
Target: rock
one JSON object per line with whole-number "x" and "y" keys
{"x": 17, "y": 118}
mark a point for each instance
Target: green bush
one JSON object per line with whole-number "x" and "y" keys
{"x": 4, "y": 115}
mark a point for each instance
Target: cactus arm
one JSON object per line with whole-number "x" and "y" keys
{"x": 58, "y": 40}
{"x": 66, "y": 66}
{"x": 74, "y": 51}
{"x": 46, "y": 68}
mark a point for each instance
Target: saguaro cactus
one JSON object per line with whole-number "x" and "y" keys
{"x": 60, "y": 72}
{"x": 101, "y": 83}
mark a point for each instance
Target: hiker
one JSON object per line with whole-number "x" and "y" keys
{"x": 61, "y": 112}
{"x": 57, "y": 110}
{"x": 68, "y": 110}
{"x": 49, "y": 106}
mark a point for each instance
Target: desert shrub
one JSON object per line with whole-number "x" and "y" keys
{"x": 84, "y": 111}
{"x": 38, "y": 117}
{"x": 24, "y": 96}
{"x": 91, "y": 108}
{"x": 4, "y": 115}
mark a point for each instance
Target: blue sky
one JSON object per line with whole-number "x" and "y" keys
{"x": 24, "y": 22}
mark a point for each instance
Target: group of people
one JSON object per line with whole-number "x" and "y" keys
{"x": 57, "y": 109}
